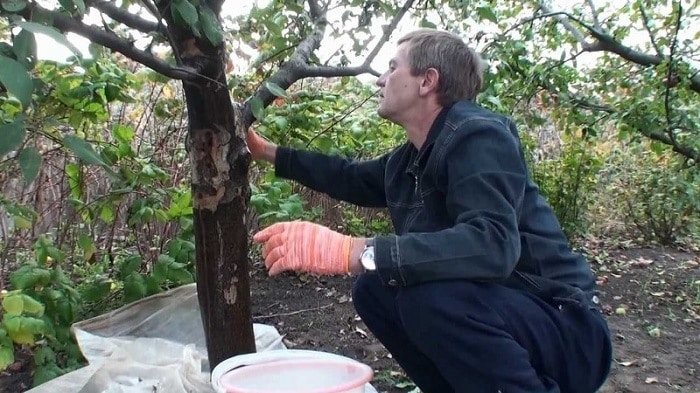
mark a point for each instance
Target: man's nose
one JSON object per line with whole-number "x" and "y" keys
{"x": 381, "y": 81}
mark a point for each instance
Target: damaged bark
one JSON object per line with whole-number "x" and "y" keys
{"x": 220, "y": 191}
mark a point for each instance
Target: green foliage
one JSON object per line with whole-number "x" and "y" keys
{"x": 656, "y": 194}
{"x": 274, "y": 201}
{"x": 39, "y": 311}
{"x": 566, "y": 179}
{"x": 365, "y": 223}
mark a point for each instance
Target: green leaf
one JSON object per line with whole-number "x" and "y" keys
{"x": 7, "y": 354}
{"x": 23, "y": 329}
{"x": 52, "y": 33}
{"x": 428, "y": 24}
{"x": 486, "y": 12}
{"x": 87, "y": 245}
{"x": 13, "y": 304}
{"x": 83, "y": 150}
{"x": 13, "y": 5}
{"x": 131, "y": 264}
{"x": 180, "y": 276}
{"x": 257, "y": 107}
{"x": 275, "y": 89}
{"x": 187, "y": 12}
{"x": 80, "y": 5}
{"x": 134, "y": 287}
{"x": 24, "y": 46}
{"x": 11, "y": 135}
{"x": 96, "y": 291}
{"x": 211, "y": 26}
{"x": 32, "y": 306}
{"x": 17, "y": 80}
{"x": 29, "y": 163}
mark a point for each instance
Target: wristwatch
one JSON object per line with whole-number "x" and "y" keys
{"x": 367, "y": 257}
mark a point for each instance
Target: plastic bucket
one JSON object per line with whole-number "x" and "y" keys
{"x": 290, "y": 371}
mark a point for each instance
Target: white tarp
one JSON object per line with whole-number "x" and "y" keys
{"x": 154, "y": 345}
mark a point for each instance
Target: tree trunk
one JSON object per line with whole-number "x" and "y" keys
{"x": 220, "y": 161}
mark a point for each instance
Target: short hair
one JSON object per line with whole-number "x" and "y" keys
{"x": 461, "y": 68}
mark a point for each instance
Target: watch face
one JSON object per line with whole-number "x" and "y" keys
{"x": 367, "y": 258}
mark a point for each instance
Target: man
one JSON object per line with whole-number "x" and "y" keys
{"x": 478, "y": 290}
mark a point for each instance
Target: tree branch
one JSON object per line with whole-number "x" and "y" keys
{"x": 297, "y": 67}
{"x": 594, "y": 12}
{"x": 330, "y": 72}
{"x": 669, "y": 77}
{"x": 111, "y": 41}
{"x": 127, "y": 18}
{"x": 561, "y": 17}
{"x": 607, "y": 43}
{"x": 662, "y": 137}
{"x": 387, "y": 30}
{"x": 645, "y": 18}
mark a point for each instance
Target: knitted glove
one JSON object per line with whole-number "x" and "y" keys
{"x": 304, "y": 246}
{"x": 256, "y": 144}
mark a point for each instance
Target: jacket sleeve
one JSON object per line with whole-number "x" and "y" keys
{"x": 357, "y": 182}
{"x": 483, "y": 177}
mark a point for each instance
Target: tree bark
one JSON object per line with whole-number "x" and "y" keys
{"x": 220, "y": 162}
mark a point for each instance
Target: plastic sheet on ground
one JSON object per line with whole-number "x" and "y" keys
{"x": 153, "y": 345}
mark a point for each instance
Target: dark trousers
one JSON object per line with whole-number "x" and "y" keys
{"x": 463, "y": 336}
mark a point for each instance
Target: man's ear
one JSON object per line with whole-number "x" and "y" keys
{"x": 431, "y": 81}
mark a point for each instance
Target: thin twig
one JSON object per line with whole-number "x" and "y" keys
{"x": 594, "y": 12}
{"x": 342, "y": 117}
{"x": 645, "y": 18}
{"x": 286, "y": 314}
{"x": 669, "y": 76}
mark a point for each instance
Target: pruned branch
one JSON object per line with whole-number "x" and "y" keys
{"x": 110, "y": 40}
{"x": 127, "y": 18}
{"x": 297, "y": 67}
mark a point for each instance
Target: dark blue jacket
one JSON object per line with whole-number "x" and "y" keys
{"x": 463, "y": 207}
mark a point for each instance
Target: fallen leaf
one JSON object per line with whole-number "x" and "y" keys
{"x": 344, "y": 299}
{"x": 641, "y": 262}
{"x": 628, "y": 363}
{"x": 361, "y": 332}
{"x": 655, "y": 332}
{"x": 651, "y": 380}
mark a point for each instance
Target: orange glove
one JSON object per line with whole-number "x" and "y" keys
{"x": 256, "y": 144}
{"x": 304, "y": 246}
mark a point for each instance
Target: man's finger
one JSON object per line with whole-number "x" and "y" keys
{"x": 272, "y": 230}
{"x": 278, "y": 267}
{"x": 275, "y": 254}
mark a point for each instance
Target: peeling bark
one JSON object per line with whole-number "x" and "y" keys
{"x": 220, "y": 191}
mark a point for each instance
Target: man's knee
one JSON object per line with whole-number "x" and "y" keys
{"x": 367, "y": 294}
{"x": 427, "y": 308}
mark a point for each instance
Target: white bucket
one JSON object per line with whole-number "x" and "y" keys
{"x": 290, "y": 371}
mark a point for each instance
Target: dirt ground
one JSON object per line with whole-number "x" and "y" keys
{"x": 651, "y": 298}
{"x": 656, "y": 338}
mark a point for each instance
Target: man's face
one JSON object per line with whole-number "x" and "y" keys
{"x": 398, "y": 88}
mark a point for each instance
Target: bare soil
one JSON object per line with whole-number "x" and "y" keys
{"x": 658, "y": 289}
{"x": 656, "y": 337}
